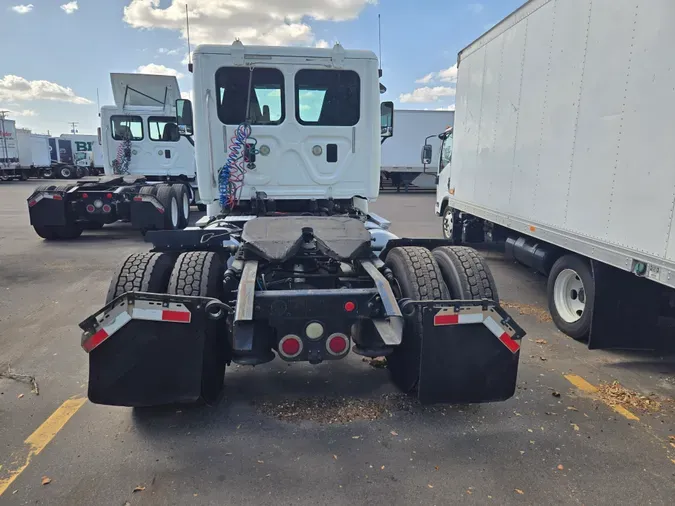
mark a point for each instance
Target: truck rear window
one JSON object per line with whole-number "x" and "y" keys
{"x": 126, "y": 128}
{"x": 265, "y": 103}
{"x": 327, "y": 97}
{"x": 163, "y": 128}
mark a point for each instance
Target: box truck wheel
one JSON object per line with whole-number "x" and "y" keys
{"x": 200, "y": 274}
{"x": 141, "y": 272}
{"x": 466, "y": 273}
{"x": 449, "y": 224}
{"x": 571, "y": 291}
{"x": 47, "y": 173}
{"x": 183, "y": 196}
{"x": 418, "y": 277}
{"x": 65, "y": 173}
{"x": 168, "y": 198}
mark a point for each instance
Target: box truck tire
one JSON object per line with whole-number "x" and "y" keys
{"x": 466, "y": 274}
{"x": 65, "y": 173}
{"x": 418, "y": 277}
{"x": 200, "y": 274}
{"x": 571, "y": 292}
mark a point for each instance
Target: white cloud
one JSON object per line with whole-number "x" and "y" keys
{"x": 448, "y": 75}
{"x": 252, "y": 21}
{"x": 17, "y": 88}
{"x": 70, "y": 7}
{"x": 321, "y": 43}
{"x": 22, "y": 9}
{"x": 168, "y": 52}
{"x": 450, "y": 107}
{"x": 154, "y": 68}
{"x": 426, "y": 79}
{"x": 475, "y": 8}
{"x": 427, "y": 94}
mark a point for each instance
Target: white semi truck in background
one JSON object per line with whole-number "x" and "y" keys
{"x": 563, "y": 151}
{"x": 401, "y": 164}
{"x": 150, "y": 168}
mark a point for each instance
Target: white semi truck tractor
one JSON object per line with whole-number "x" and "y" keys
{"x": 150, "y": 176}
{"x": 289, "y": 263}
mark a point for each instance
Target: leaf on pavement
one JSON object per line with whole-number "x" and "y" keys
{"x": 46, "y": 480}
{"x": 335, "y": 457}
{"x": 430, "y": 485}
{"x": 560, "y": 467}
{"x": 20, "y": 396}
{"x": 394, "y": 433}
{"x": 571, "y": 408}
{"x": 541, "y": 341}
{"x": 543, "y": 359}
{"x": 138, "y": 488}
{"x": 672, "y": 438}
{"x": 520, "y": 491}
{"x": 555, "y": 394}
{"x": 576, "y": 427}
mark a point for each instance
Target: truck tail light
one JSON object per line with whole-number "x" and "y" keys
{"x": 337, "y": 344}
{"x": 290, "y": 346}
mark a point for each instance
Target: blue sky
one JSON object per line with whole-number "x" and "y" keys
{"x": 57, "y": 53}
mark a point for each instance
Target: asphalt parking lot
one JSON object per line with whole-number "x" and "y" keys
{"x": 336, "y": 433}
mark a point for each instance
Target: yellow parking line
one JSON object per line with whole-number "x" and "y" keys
{"x": 585, "y": 386}
{"x": 39, "y": 439}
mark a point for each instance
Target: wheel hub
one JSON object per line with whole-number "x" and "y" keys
{"x": 569, "y": 296}
{"x": 174, "y": 212}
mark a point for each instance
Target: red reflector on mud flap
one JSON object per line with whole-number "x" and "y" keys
{"x": 176, "y": 316}
{"x": 57, "y": 197}
{"x": 95, "y": 340}
{"x": 446, "y": 319}
{"x": 449, "y": 317}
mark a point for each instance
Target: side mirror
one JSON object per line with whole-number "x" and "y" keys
{"x": 427, "y": 150}
{"x": 387, "y": 119}
{"x": 184, "y": 117}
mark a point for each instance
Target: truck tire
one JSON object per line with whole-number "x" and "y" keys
{"x": 200, "y": 274}
{"x": 418, "y": 277}
{"x": 65, "y": 172}
{"x": 167, "y": 197}
{"x": 47, "y": 173}
{"x": 141, "y": 272}
{"x": 64, "y": 233}
{"x": 448, "y": 225}
{"x": 149, "y": 190}
{"x": 466, "y": 273}
{"x": 571, "y": 293}
{"x": 183, "y": 196}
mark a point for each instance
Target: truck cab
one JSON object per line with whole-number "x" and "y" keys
{"x": 444, "y": 169}
{"x": 144, "y": 117}
{"x": 294, "y": 126}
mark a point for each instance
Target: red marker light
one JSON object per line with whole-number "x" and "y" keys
{"x": 32, "y": 203}
{"x": 108, "y": 195}
{"x": 85, "y": 195}
{"x": 350, "y": 306}
{"x": 106, "y": 208}
{"x": 90, "y": 208}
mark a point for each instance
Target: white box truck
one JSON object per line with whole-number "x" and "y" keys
{"x": 86, "y": 152}
{"x": 21, "y": 156}
{"x": 563, "y": 149}
{"x": 401, "y": 163}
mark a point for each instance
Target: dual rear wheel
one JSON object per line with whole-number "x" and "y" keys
{"x": 194, "y": 273}
{"x": 446, "y": 273}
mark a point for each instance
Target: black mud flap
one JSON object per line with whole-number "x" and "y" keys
{"x": 147, "y": 213}
{"x": 47, "y": 209}
{"x": 154, "y": 349}
{"x": 470, "y": 352}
